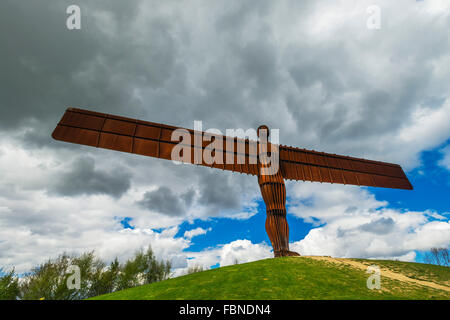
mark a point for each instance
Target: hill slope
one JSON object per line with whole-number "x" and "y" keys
{"x": 301, "y": 278}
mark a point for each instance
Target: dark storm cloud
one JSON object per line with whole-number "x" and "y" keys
{"x": 237, "y": 15}
{"x": 46, "y": 68}
{"x": 140, "y": 59}
{"x": 165, "y": 201}
{"x": 238, "y": 64}
{"x": 215, "y": 192}
{"x": 117, "y": 65}
{"x": 332, "y": 71}
{"x": 380, "y": 226}
{"x": 310, "y": 68}
{"x": 85, "y": 178}
{"x": 259, "y": 62}
{"x": 221, "y": 192}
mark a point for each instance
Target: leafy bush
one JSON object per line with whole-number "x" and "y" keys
{"x": 50, "y": 280}
{"x": 9, "y": 285}
{"x": 143, "y": 268}
{"x": 194, "y": 269}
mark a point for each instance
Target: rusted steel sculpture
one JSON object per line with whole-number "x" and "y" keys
{"x": 273, "y": 192}
{"x": 155, "y": 140}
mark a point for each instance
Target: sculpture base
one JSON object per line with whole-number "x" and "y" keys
{"x": 284, "y": 253}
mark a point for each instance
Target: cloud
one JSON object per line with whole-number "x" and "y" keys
{"x": 379, "y": 226}
{"x": 358, "y": 225}
{"x": 320, "y": 203}
{"x": 338, "y": 240}
{"x": 189, "y": 234}
{"x": 223, "y": 194}
{"x": 242, "y": 251}
{"x": 96, "y": 66}
{"x": 256, "y": 66}
{"x": 163, "y": 200}
{"x": 81, "y": 221}
{"x": 445, "y": 161}
{"x": 84, "y": 178}
{"x": 195, "y": 192}
{"x": 310, "y": 68}
{"x": 77, "y": 225}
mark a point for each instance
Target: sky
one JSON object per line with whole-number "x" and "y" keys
{"x": 315, "y": 70}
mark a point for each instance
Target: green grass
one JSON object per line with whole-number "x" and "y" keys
{"x": 292, "y": 278}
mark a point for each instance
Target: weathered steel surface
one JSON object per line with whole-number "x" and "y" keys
{"x": 273, "y": 192}
{"x": 307, "y": 165}
{"x": 155, "y": 140}
{"x": 146, "y": 138}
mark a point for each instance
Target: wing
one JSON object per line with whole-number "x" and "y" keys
{"x": 149, "y": 139}
{"x": 307, "y": 165}
{"x": 155, "y": 140}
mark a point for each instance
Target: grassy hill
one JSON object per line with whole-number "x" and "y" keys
{"x": 301, "y": 278}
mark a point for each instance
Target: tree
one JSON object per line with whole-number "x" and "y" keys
{"x": 105, "y": 280}
{"x": 9, "y": 285}
{"x": 47, "y": 281}
{"x": 50, "y": 280}
{"x": 438, "y": 256}
{"x": 143, "y": 268}
{"x": 194, "y": 269}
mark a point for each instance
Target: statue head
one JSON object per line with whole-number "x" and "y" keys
{"x": 263, "y": 127}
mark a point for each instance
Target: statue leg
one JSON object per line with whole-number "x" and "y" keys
{"x": 278, "y": 231}
{"x": 274, "y": 195}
